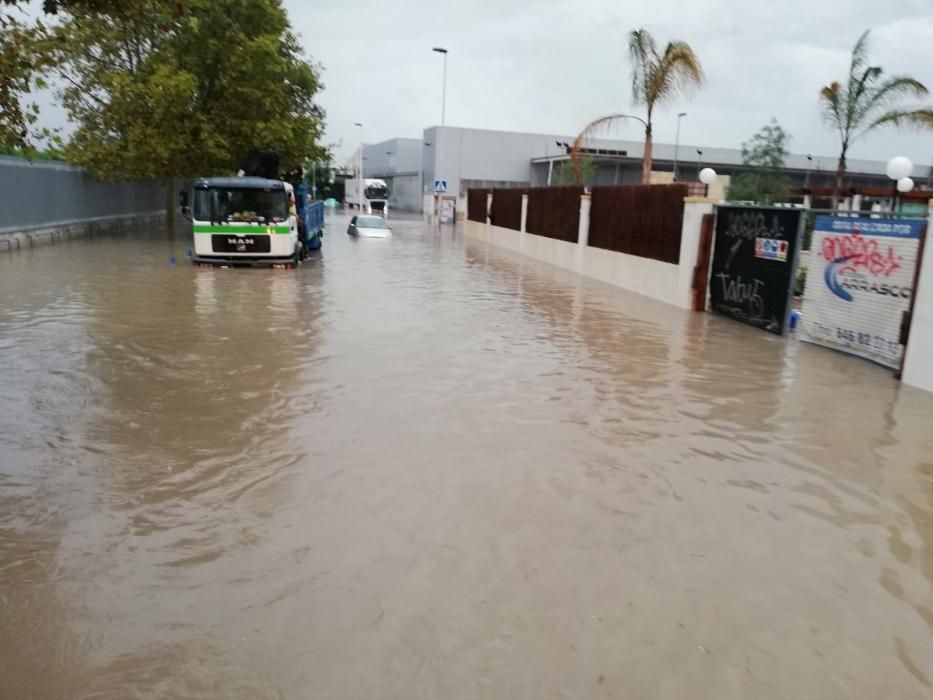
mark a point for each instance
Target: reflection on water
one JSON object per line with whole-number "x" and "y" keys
{"x": 429, "y": 468}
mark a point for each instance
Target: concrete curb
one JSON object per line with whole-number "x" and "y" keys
{"x": 56, "y": 233}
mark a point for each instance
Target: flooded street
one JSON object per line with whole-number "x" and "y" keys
{"x": 427, "y": 468}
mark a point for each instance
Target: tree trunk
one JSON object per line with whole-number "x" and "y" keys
{"x": 646, "y": 158}
{"x": 170, "y": 204}
{"x": 840, "y": 175}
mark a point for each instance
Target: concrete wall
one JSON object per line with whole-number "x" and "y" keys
{"x": 43, "y": 195}
{"x": 918, "y": 361}
{"x": 481, "y": 158}
{"x": 665, "y": 282}
{"x": 478, "y": 155}
{"x": 390, "y": 158}
{"x": 405, "y": 191}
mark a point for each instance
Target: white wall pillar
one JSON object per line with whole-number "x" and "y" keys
{"x": 857, "y": 202}
{"x": 524, "y": 213}
{"x": 488, "y": 211}
{"x": 876, "y": 207}
{"x": 918, "y": 362}
{"x": 807, "y": 201}
{"x": 583, "y": 230}
{"x": 694, "y": 209}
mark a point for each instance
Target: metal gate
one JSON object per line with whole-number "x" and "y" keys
{"x": 754, "y": 258}
{"x": 860, "y": 274}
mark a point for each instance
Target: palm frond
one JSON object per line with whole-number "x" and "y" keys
{"x": 884, "y": 98}
{"x": 898, "y": 87}
{"x": 678, "y": 69}
{"x": 590, "y": 130}
{"x": 833, "y": 113}
{"x": 856, "y": 93}
{"x": 645, "y": 57}
{"x": 858, "y": 61}
{"x": 919, "y": 118}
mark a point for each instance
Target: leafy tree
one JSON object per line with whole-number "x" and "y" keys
{"x": 16, "y": 72}
{"x": 157, "y": 93}
{"x": 867, "y": 102}
{"x": 763, "y": 156}
{"x": 569, "y": 173}
{"x": 33, "y": 153}
{"x": 656, "y": 78}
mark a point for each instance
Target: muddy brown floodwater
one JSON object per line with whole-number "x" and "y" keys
{"x": 426, "y": 468}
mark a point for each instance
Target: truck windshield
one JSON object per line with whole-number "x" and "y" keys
{"x": 246, "y": 205}
{"x": 377, "y": 192}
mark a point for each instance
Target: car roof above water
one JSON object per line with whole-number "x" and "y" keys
{"x": 371, "y": 219}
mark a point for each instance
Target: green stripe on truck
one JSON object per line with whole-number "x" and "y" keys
{"x": 243, "y": 228}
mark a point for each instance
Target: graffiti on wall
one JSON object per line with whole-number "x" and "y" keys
{"x": 753, "y": 264}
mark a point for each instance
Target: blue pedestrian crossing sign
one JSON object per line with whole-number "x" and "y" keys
{"x": 440, "y": 186}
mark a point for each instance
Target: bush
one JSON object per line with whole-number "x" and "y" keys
{"x": 800, "y": 282}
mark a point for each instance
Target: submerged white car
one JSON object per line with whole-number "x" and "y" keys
{"x": 369, "y": 227}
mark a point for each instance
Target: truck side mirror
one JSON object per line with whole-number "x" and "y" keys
{"x": 183, "y": 201}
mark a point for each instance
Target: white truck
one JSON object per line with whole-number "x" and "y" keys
{"x": 252, "y": 221}
{"x": 375, "y": 199}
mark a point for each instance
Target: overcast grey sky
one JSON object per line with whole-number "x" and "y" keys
{"x": 550, "y": 66}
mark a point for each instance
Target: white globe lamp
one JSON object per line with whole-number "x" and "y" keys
{"x": 905, "y": 184}
{"x": 899, "y": 167}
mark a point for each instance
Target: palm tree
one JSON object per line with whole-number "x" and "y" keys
{"x": 656, "y": 78}
{"x": 867, "y": 102}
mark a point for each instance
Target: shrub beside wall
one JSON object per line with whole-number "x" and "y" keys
{"x": 642, "y": 220}
{"x": 554, "y": 212}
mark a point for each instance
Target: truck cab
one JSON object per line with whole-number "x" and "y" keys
{"x": 239, "y": 221}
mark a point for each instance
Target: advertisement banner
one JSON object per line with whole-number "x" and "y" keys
{"x": 447, "y": 211}
{"x": 859, "y": 283}
{"x": 752, "y": 273}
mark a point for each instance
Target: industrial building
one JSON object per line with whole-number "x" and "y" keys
{"x": 468, "y": 158}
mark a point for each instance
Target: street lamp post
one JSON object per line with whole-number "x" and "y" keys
{"x": 441, "y": 50}
{"x": 361, "y": 166}
{"x": 806, "y": 178}
{"x": 699, "y": 161}
{"x": 677, "y": 143}
{"x": 440, "y": 137}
